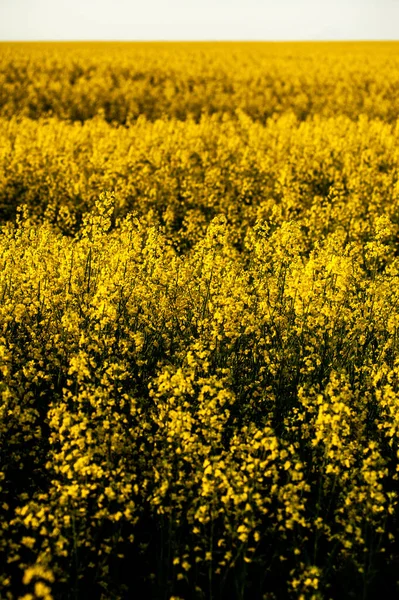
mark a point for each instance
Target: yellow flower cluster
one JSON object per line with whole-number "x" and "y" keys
{"x": 122, "y": 81}
{"x": 182, "y": 174}
{"x": 199, "y": 315}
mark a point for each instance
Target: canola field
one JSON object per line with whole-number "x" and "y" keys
{"x": 199, "y": 321}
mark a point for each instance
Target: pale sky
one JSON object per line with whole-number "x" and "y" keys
{"x": 199, "y": 19}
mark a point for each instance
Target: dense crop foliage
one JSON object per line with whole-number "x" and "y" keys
{"x": 199, "y": 346}
{"x": 124, "y": 81}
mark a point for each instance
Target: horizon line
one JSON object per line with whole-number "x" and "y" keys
{"x": 201, "y": 40}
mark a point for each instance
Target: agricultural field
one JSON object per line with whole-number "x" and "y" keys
{"x": 199, "y": 321}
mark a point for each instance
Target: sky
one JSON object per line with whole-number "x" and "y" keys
{"x": 199, "y": 20}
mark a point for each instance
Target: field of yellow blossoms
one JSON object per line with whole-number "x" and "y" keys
{"x": 199, "y": 321}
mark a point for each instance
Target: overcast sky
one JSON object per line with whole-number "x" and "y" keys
{"x": 199, "y": 19}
